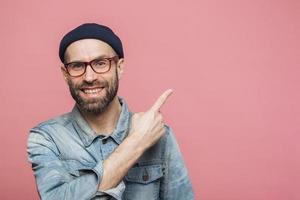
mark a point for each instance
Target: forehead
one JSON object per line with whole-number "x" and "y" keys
{"x": 88, "y": 49}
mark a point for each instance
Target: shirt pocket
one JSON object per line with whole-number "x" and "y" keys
{"x": 143, "y": 182}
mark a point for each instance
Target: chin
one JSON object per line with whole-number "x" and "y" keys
{"x": 94, "y": 108}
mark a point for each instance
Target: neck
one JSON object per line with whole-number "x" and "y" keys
{"x": 106, "y": 121}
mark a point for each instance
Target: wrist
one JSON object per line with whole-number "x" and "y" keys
{"x": 136, "y": 142}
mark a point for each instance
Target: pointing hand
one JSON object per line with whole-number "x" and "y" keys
{"x": 148, "y": 127}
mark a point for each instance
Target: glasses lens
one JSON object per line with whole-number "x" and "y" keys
{"x": 76, "y": 68}
{"x": 101, "y": 65}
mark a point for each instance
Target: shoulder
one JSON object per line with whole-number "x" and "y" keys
{"x": 51, "y": 125}
{"x": 169, "y": 135}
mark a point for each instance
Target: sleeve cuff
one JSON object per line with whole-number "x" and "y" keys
{"x": 98, "y": 169}
{"x": 116, "y": 192}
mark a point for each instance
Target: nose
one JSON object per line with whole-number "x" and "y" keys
{"x": 89, "y": 75}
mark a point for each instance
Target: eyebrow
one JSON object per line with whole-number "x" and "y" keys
{"x": 98, "y": 57}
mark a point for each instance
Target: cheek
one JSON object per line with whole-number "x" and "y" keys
{"x": 73, "y": 83}
{"x": 111, "y": 77}
{"x": 114, "y": 79}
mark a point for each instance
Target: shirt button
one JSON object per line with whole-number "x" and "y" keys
{"x": 145, "y": 177}
{"x": 104, "y": 141}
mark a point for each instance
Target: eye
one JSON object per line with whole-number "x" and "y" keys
{"x": 99, "y": 63}
{"x": 76, "y": 66}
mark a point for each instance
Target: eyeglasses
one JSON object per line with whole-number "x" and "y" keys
{"x": 99, "y": 66}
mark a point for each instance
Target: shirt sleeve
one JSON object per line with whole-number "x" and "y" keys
{"x": 54, "y": 180}
{"x": 176, "y": 184}
{"x": 116, "y": 192}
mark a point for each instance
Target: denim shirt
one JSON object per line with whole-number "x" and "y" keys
{"x": 67, "y": 159}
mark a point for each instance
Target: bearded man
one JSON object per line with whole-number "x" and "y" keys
{"x": 101, "y": 150}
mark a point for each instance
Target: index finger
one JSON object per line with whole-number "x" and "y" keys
{"x": 161, "y": 100}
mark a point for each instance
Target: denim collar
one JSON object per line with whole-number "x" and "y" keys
{"x": 87, "y": 134}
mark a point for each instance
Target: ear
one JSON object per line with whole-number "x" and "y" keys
{"x": 120, "y": 67}
{"x": 64, "y": 73}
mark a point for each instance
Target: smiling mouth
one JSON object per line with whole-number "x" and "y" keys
{"x": 92, "y": 90}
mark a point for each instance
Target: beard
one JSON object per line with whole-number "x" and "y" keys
{"x": 97, "y": 105}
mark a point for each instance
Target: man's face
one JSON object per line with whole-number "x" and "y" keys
{"x": 93, "y": 92}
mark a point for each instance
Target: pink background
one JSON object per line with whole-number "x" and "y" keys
{"x": 234, "y": 67}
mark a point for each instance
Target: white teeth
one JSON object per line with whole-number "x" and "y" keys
{"x": 92, "y": 91}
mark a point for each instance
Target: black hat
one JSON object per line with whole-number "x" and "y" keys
{"x": 91, "y": 31}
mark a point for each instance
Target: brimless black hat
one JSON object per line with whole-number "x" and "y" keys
{"x": 91, "y": 31}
